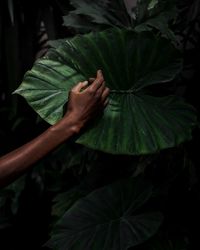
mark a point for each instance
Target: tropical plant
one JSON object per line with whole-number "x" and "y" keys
{"x": 153, "y": 120}
{"x": 76, "y": 186}
{"x": 147, "y": 130}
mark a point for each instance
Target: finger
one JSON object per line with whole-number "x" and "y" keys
{"x": 80, "y": 86}
{"x": 101, "y": 89}
{"x": 105, "y": 94}
{"x": 98, "y": 81}
{"x": 99, "y": 74}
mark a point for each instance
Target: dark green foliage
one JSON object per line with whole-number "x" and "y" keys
{"x": 93, "y": 15}
{"x": 145, "y": 15}
{"x": 72, "y": 175}
{"x": 108, "y": 218}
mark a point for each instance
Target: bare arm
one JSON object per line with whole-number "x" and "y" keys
{"x": 82, "y": 106}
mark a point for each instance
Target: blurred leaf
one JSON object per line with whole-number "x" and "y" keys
{"x": 142, "y": 15}
{"x": 158, "y": 15}
{"x": 11, "y": 11}
{"x": 100, "y": 12}
{"x": 152, "y": 4}
{"x": 56, "y": 43}
{"x": 78, "y": 22}
{"x": 4, "y": 223}
{"x": 168, "y": 245}
{"x": 5, "y": 211}
{"x": 16, "y": 187}
{"x": 108, "y": 219}
{"x": 160, "y": 23}
{"x": 62, "y": 202}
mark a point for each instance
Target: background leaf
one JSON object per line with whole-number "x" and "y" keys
{"x": 142, "y": 15}
{"x": 107, "y": 219}
{"x": 89, "y": 15}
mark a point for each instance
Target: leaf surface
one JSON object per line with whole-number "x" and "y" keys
{"x": 107, "y": 219}
{"x": 135, "y": 121}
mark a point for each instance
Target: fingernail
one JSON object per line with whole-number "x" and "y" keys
{"x": 85, "y": 82}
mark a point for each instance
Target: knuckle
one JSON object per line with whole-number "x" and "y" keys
{"x": 96, "y": 96}
{"x": 107, "y": 91}
{"x": 101, "y": 79}
{"x": 91, "y": 91}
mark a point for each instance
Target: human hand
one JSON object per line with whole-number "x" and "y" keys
{"x": 86, "y": 101}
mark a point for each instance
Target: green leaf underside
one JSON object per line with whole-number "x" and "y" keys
{"x": 133, "y": 122}
{"x": 107, "y": 219}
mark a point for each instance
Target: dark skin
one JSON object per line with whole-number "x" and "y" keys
{"x": 84, "y": 103}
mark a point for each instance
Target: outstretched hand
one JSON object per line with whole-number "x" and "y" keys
{"x": 85, "y": 101}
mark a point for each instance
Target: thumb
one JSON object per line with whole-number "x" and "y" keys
{"x": 80, "y": 86}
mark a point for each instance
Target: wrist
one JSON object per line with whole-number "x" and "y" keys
{"x": 66, "y": 127}
{"x": 75, "y": 123}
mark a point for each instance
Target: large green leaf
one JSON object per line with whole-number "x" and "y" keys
{"x": 108, "y": 218}
{"x": 134, "y": 122}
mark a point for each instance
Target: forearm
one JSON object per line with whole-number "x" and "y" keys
{"x": 18, "y": 161}
{"x": 83, "y": 104}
